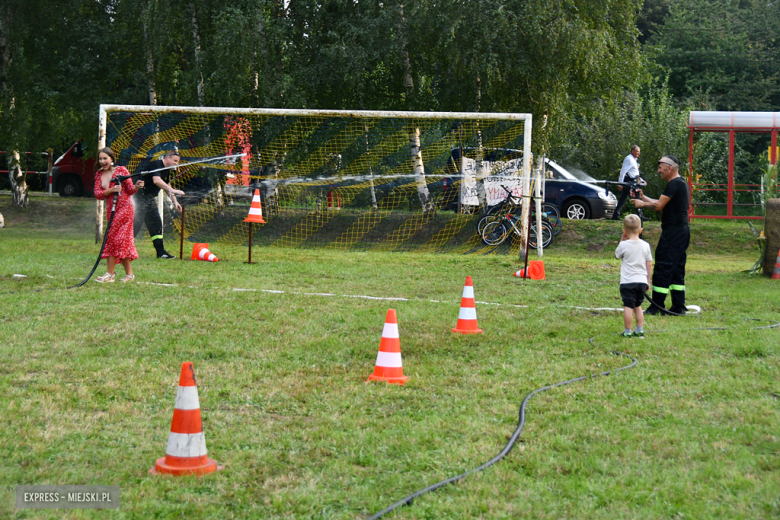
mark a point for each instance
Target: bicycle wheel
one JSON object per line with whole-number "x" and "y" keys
{"x": 547, "y": 235}
{"x": 555, "y": 222}
{"x": 484, "y": 221}
{"x": 551, "y": 208}
{"x": 494, "y": 233}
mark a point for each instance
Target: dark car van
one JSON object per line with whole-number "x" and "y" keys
{"x": 572, "y": 191}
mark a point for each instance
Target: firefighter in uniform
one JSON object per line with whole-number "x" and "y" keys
{"x": 146, "y": 206}
{"x": 671, "y": 252}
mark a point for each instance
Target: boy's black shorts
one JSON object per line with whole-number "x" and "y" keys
{"x": 633, "y": 294}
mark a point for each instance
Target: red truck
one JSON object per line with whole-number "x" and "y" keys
{"x": 73, "y": 175}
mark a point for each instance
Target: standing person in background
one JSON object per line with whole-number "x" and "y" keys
{"x": 629, "y": 172}
{"x": 671, "y": 253}
{"x": 119, "y": 242}
{"x": 148, "y": 212}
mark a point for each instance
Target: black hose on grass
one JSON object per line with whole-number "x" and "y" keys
{"x": 513, "y": 439}
{"x": 102, "y": 247}
{"x": 663, "y": 309}
{"x": 509, "y": 445}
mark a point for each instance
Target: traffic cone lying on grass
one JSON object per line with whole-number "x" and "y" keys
{"x": 535, "y": 270}
{"x": 201, "y": 252}
{"x": 186, "y": 451}
{"x": 467, "y": 317}
{"x": 389, "y": 367}
{"x": 776, "y": 273}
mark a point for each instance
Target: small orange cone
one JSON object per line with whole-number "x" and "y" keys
{"x": 467, "y": 317}
{"x": 776, "y": 273}
{"x": 201, "y": 252}
{"x": 388, "y": 365}
{"x": 535, "y": 270}
{"x": 186, "y": 452}
{"x": 255, "y": 210}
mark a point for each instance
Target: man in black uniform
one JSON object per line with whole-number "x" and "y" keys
{"x": 671, "y": 252}
{"x": 146, "y": 204}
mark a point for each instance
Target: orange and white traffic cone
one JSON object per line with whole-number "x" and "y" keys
{"x": 186, "y": 452}
{"x": 776, "y": 273}
{"x": 467, "y": 317}
{"x": 535, "y": 270}
{"x": 255, "y": 210}
{"x": 201, "y": 252}
{"x": 388, "y": 365}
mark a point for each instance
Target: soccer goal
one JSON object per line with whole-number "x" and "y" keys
{"x": 347, "y": 180}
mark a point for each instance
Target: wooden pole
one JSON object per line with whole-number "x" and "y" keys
{"x": 528, "y": 241}
{"x": 181, "y": 235}
{"x": 250, "y": 242}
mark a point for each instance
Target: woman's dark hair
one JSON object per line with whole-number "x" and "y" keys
{"x": 108, "y": 151}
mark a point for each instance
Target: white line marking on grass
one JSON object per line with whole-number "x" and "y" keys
{"x": 695, "y": 309}
{"x": 593, "y": 308}
{"x": 376, "y": 297}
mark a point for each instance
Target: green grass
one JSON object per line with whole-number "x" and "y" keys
{"x": 88, "y": 379}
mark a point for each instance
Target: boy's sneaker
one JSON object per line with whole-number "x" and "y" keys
{"x": 166, "y": 255}
{"x": 626, "y": 335}
{"x": 639, "y": 335}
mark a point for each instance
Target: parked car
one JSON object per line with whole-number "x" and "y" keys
{"x": 572, "y": 191}
{"x": 73, "y": 175}
{"x": 576, "y": 193}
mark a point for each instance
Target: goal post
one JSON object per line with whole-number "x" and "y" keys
{"x": 386, "y": 180}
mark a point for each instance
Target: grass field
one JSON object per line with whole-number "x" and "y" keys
{"x": 282, "y": 349}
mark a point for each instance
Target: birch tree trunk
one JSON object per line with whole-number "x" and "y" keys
{"x": 149, "y": 57}
{"x": 483, "y": 170}
{"x": 15, "y": 174}
{"x": 370, "y": 172}
{"x": 196, "y": 47}
{"x": 18, "y": 181}
{"x": 271, "y": 186}
{"x": 407, "y": 64}
{"x": 262, "y": 45}
{"x": 419, "y": 171}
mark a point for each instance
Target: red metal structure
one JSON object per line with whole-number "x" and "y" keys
{"x": 731, "y": 122}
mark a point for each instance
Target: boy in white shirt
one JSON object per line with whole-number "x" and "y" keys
{"x": 635, "y": 271}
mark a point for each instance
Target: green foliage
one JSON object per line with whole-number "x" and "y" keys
{"x": 599, "y": 142}
{"x": 539, "y": 57}
{"x": 727, "y": 49}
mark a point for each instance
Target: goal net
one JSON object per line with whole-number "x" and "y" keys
{"x": 347, "y": 180}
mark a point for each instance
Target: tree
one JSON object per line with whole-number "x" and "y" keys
{"x": 726, "y": 49}
{"x": 650, "y": 119}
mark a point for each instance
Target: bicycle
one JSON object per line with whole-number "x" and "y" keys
{"x": 497, "y": 231}
{"x": 514, "y": 204}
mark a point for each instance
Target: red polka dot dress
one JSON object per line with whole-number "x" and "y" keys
{"x": 119, "y": 243}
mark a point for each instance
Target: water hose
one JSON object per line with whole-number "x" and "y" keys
{"x": 513, "y": 439}
{"x": 102, "y": 247}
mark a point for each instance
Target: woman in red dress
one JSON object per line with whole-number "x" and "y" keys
{"x": 119, "y": 244}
